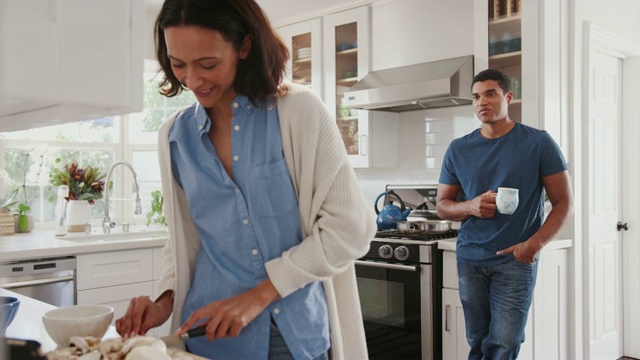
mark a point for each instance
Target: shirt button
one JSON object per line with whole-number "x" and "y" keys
{"x": 200, "y": 127}
{"x": 276, "y": 311}
{"x": 235, "y": 105}
{"x": 235, "y": 158}
{"x": 254, "y": 252}
{"x": 245, "y": 221}
{"x": 236, "y": 128}
{"x": 248, "y": 107}
{"x": 237, "y": 191}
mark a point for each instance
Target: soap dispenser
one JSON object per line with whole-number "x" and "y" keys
{"x": 61, "y": 226}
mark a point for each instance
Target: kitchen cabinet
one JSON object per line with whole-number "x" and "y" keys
{"x": 304, "y": 41}
{"x": 546, "y": 333}
{"x": 330, "y": 54}
{"x": 114, "y": 278}
{"x": 528, "y": 40}
{"x": 69, "y": 60}
{"x": 347, "y": 53}
{"x": 454, "y": 341}
{"x": 505, "y": 50}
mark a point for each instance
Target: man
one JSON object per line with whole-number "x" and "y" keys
{"x": 498, "y": 253}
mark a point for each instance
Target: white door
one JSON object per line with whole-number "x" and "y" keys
{"x": 604, "y": 186}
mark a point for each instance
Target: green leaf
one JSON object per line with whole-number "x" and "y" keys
{"x": 23, "y": 223}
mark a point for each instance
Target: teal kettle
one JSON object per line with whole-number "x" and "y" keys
{"x": 390, "y": 214}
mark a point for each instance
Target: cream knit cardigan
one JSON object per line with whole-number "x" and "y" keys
{"x": 337, "y": 223}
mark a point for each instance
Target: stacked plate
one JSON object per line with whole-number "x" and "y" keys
{"x": 303, "y": 53}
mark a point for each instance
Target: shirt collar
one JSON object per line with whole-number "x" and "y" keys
{"x": 241, "y": 103}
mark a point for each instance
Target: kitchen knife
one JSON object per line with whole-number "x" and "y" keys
{"x": 174, "y": 339}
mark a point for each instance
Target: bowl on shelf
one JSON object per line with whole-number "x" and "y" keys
{"x": 77, "y": 320}
{"x": 9, "y": 306}
{"x": 343, "y": 47}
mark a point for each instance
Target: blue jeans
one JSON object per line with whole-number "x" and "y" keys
{"x": 278, "y": 349}
{"x": 496, "y": 301}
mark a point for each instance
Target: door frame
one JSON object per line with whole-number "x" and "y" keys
{"x": 629, "y": 51}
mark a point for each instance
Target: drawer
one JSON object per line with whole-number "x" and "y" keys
{"x": 449, "y": 270}
{"x": 158, "y": 262}
{"x": 117, "y": 297}
{"x": 114, "y": 268}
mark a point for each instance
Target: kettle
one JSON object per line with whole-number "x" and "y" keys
{"x": 390, "y": 214}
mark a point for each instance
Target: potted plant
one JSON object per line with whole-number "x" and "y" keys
{"x": 85, "y": 187}
{"x": 23, "y": 223}
{"x": 156, "y": 214}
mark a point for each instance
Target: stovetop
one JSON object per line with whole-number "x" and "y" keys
{"x": 395, "y": 234}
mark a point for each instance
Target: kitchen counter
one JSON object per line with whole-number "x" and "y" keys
{"x": 556, "y": 244}
{"x": 44, "y": 243}
{"x": 28, "y": 325}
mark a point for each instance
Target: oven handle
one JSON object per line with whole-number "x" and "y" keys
{"x": 20, "y": 284}
{"x": 387, "y": 265}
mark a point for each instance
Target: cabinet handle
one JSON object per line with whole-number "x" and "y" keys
{"x": 446, "y": 318}
{"x": 363, "y": 145}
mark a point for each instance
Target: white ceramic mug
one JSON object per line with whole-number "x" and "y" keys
{"x": 507, "y": 200}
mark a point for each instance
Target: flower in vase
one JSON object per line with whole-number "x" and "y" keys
{"x": 84, "y": 183}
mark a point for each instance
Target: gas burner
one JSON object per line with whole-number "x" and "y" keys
{"x": 395, "y": 234}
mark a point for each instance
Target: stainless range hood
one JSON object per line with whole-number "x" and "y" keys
{"x": 414, "y": 87}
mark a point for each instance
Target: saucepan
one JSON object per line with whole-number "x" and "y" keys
{"x": 424, "y": 227}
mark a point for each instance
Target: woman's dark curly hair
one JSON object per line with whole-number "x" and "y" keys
{"x": 259, "y": 75}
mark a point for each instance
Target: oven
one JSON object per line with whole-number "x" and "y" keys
{"x": 400, "y": 289}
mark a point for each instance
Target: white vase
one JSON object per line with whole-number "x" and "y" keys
{"x": 78, "y": 215}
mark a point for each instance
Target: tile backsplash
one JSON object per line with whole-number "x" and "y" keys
{"x": 424, "y": 138}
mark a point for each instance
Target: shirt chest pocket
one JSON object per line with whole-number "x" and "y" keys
{"x": 273, "y": 191}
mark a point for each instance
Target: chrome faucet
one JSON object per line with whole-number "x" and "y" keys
{"x": 107, "y": 224}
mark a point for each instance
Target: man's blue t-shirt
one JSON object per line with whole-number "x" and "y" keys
{"x": 519, "y": 159}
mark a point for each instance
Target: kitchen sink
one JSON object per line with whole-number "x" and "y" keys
{"x": 135, "y": 232}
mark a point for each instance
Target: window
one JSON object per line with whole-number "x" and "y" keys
{"x": 29, "y": 156}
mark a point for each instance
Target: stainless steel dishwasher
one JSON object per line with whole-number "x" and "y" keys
{"x": 50, "y": 280}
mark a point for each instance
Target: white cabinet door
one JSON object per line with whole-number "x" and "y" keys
{"x": 304, "y": 41}
{"x": 347, "y": 54}
{"x": 454, "y": 342}
{"x": 551, "y": 308}
{"x": 29, "y": 61}
{"x": 449, "y": 270}
{"x": 114, "y": 268}
{"x": 71, "y": 60}
{"x": 117, "y": 297}
{"x": 92, "y": 35}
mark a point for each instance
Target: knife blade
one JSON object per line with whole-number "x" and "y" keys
{"x": 175, "y": 339}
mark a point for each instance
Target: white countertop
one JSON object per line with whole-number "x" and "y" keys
{"x": 27, "y": 325}
{"x": 44, "y": 243}
{"x": 556, "y": 244}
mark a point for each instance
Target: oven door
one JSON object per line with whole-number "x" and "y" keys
{"x": 390, "y": 297}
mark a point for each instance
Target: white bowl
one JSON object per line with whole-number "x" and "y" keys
{"x": 77, "y": 320}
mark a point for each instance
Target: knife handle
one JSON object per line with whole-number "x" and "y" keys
{"x": 195, "y": 332}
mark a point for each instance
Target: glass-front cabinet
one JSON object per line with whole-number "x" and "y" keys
{"x": 505, "y": 47}
{"x": 304, "y": 40}
{"x": 330, "y": 54}
{"x": 347, "y": 60}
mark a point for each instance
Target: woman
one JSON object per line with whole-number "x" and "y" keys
{"x": 265, "y": 213}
